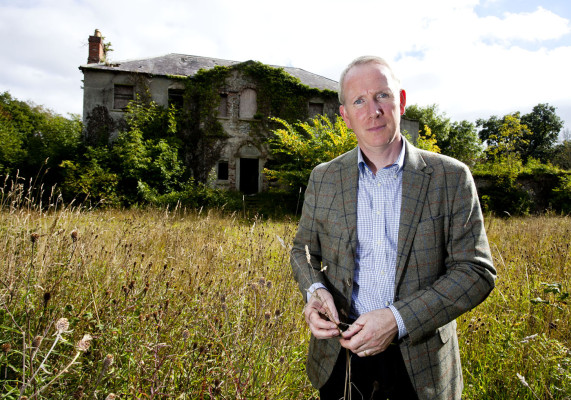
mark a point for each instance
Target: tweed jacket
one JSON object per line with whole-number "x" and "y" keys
{"x": 444, "y": 266}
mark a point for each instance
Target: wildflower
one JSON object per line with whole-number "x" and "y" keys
{"x": 37, "y": 342}
{"x": 267, "y": 315}
{"x": 34, "y": 237}
{"x": 74, "y": 234}
{"x": 6, "y": 347}
{"x": 84, "y": 343}
{"x": 62, "y": 325}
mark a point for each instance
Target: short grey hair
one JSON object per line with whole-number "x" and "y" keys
{"x": 362, "y": 61}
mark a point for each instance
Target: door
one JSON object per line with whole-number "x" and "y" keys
{"x": 249, "y": 171}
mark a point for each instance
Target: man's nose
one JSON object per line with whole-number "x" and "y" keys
{"x": 375, "y": 109}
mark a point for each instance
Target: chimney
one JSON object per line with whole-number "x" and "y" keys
{"x": 96, "y": 50}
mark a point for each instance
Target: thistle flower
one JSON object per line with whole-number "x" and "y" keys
{"x": 62, "y": 325}
{"x": 84, "y": 343}
{"x": 74, "y": 235}
{"x": 34, "y": 237}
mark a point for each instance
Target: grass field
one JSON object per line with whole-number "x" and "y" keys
{"x": 200, "y": 305}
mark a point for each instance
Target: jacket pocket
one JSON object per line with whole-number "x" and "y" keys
{"x": 447, "y": 331}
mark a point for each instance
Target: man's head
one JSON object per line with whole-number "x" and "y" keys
{"x": 365, "y": 60}
{"x": 372, "y": 103}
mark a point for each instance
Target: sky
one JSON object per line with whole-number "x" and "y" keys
{"x": 473, "y": 59}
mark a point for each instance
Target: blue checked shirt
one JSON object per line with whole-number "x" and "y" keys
{"x": 379, "y": 200}
{"x": 378, "y": 213}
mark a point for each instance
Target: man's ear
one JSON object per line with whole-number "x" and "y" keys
{"x": 344, "y": 116}
{"x": 402, "y": 101}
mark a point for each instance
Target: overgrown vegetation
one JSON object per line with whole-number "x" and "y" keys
{"x": 189, "y": 304}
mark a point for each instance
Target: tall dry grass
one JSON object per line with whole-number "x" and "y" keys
{"x": 190, "y": 305}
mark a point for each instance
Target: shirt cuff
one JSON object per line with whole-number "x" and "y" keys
{"x": 402, "y": 329}
{"x": 313, "y": 288}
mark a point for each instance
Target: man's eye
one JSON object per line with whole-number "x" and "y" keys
{"x": 358, "y": 101}
{"x": 383, "y": 96}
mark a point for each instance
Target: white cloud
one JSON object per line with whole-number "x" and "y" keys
{"x": 444, "y": 52}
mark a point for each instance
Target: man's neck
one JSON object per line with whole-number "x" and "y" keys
{"x": 377, "y": 159}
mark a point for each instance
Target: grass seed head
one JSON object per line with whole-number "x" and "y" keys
{"x": 6, "y": 347}
{"x": 37, "y": 341}
{"x": 108, "y": 361}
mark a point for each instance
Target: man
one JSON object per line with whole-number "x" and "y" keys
{"x": 391, "y": 244}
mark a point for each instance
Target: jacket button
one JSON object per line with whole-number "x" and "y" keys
{"x": 348, "y": 281}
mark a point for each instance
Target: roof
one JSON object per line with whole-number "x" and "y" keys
{"x": 188, "y": 65}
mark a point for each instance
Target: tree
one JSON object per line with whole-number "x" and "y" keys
{"x": 512, "y": 136}
{"x": 455, "y": 139}
{"x": 463, "y": 142}
{"x": 33, "y": 138}
{"x": 298, "y": 148}
{"x": 505, "y": 135}
{"x": 430, "y": 117}
{"x": 544, "y": 126}
{"x": 561, "y": 155}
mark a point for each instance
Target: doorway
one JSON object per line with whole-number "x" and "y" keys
{"x": 249, "y": 175}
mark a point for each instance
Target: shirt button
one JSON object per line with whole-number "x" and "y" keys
{"x": 378, "y": 213}
{"x": 378, "y": 185}
{"x": 379, "y": 242}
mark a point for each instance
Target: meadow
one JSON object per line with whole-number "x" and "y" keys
{"x": 195, "y": 304}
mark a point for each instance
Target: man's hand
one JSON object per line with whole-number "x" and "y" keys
{"x": 321, "y": 315}
{"x": 371, "y": 333}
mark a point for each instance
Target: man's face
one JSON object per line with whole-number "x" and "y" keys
{"x": 372, "y": 106}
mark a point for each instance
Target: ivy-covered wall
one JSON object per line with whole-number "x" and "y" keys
{"x": 210, "y": 136}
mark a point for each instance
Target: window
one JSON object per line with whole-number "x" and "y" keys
{"x": 122, "y": 95}
{"x": 248, "y": 103}
{"x": 315, "y": 109}
{"x": 222, "y": 171}
{"x": 223, "y": 106}
{"x": 176, "y": 97}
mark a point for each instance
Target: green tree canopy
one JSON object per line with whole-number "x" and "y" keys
{"x": 32, "y": 137}
{"x": 544, "y": 125}
{"x": 298, "y": 148}
{"x": 455, "y": 139}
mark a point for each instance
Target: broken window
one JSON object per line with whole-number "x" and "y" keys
{"x": 223, "y": 106}
{"x": 122, "y": 95}
{"x": 176, "y": 97}
{"x": 222, "y": 171}
{"x": 248, "y": 103}
{"x": 315, "y": 109}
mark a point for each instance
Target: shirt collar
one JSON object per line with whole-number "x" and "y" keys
{"x": 399, "y": 162}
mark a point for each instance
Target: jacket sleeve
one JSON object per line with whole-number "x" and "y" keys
{"x": 306, "y": 242}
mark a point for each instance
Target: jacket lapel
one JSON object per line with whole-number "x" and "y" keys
{"x": 349, "y": 177}
{"x": 415, "y": 180}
